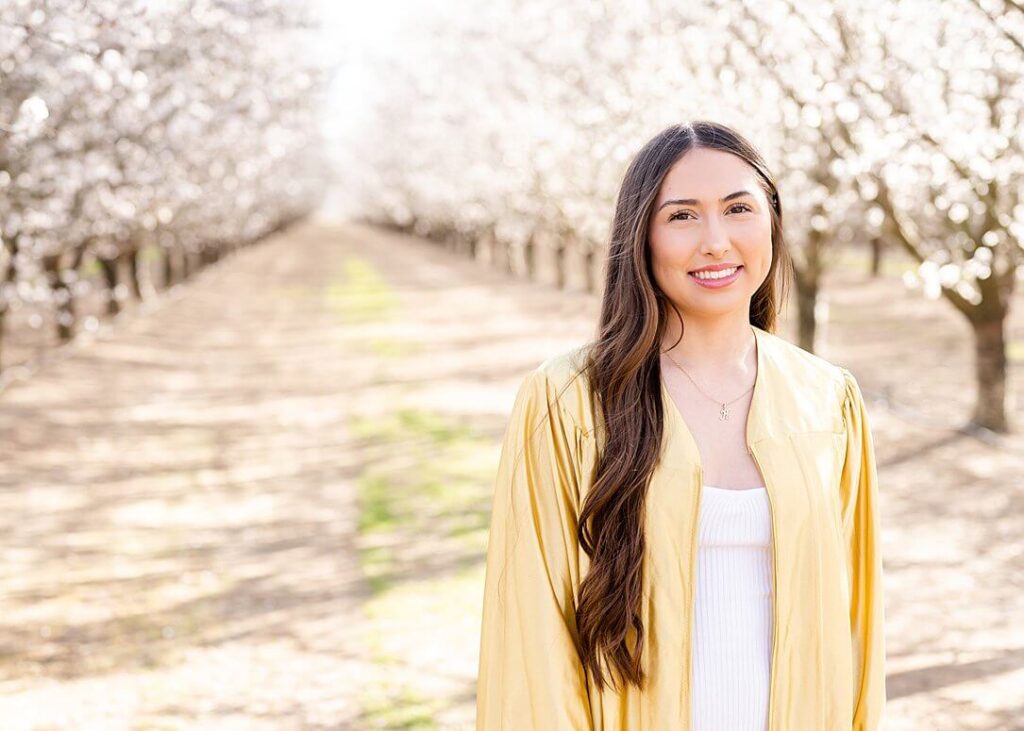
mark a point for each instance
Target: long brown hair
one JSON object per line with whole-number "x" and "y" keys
{"x": 624, "y": 369}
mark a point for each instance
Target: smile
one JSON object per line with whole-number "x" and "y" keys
{"x": 716, "y": 280}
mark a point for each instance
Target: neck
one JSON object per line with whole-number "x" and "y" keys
{"x": 722, "y": 344}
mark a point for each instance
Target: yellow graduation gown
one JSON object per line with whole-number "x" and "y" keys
{"x": 808, "y": 432}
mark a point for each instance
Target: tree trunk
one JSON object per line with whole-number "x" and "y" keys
{"x": 134, "y": 270}
{"x": 192, "y": 263}
{"x": 497, "y": 253}
{"x": 530, "y": 256}
{"x": 485, "y": 248}
{"x": 558, "y": 259}
{"x": 465, "y": 245}
{"x": 807, "y": 323}
{"x": 111, "y": 276}
{"x": 509, "y": 254}
{"x": 63, "y": 297}
{"x": 589, "y": 275}
{"x": 3, "y": 318}
{"x": 167, "y": 267}
{"x": 807, "y": 279}
{"x": 876, "y": 257}
{"x": 10, "y": 275}
{"x": 990, "y": 372}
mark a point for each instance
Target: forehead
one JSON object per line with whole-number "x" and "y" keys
{"x": 708, "y": 175}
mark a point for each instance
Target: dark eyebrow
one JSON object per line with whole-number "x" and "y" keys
{"x": 695, "y": 202}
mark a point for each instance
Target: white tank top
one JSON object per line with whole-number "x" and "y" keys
{"x": 733, "y": 619}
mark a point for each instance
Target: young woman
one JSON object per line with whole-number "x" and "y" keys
{"x": 685, "y": 531}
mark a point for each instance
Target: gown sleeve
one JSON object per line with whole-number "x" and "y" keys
{"x": 862, "y": 533}
{"x": 530, "y": 675}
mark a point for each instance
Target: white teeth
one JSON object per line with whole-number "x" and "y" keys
{"x": 715, "y": 275}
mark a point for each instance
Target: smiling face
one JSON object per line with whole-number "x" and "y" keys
{"x": 711, "y": 210}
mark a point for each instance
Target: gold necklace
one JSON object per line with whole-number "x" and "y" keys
{"x": 723, "y": 414}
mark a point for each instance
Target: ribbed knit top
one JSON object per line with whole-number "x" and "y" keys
{"x": 733, "y": 611}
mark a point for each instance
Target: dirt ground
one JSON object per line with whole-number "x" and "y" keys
{"x": 261, "y": 502}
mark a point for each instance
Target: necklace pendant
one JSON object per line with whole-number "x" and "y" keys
{"x": 723, "y": 415}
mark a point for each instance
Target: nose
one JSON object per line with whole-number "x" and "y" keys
{"x": 715, "y": 241}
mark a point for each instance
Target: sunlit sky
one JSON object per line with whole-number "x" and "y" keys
{"x": 357, "y": 34}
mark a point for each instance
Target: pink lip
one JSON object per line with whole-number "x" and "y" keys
{"x": 716, "y": 283}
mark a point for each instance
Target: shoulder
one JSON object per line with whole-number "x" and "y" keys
{"x": 824, "y": 390}
{"x": 565, "y": 365}
{"x": 829, "y": 380}
{"x": 562, "y": 381}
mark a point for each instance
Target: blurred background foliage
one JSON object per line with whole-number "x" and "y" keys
{"x": 895, "y": 129}
{"x": 140, "y": 141}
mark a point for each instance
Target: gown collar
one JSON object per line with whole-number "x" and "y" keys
{"x": 681, "y": 449}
